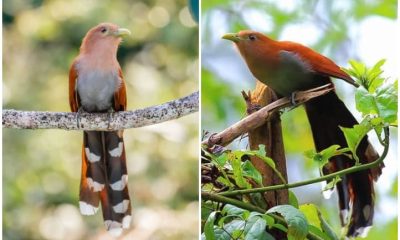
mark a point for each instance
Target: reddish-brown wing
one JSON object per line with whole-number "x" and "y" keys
{"x": 73, "y": 96}
{"x": 120, "y": 94}
{"x": 318, "y": 62}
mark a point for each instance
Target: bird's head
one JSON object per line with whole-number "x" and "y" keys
{"x": 254, "y": 47}
{"x": 103, "y": 36}
{"x": 250, "y": 42}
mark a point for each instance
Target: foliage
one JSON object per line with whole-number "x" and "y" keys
{"x": 231, "y": 222}
{"x": 237, "y": 172}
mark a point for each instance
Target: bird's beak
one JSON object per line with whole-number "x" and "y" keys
{"x": 121, "y": 32}
{"x": 232, "y": 36}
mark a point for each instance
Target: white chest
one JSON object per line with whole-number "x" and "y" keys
{"x": 96, "y": 90}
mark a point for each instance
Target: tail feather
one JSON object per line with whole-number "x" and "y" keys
{"x": 88, "y": 200}
{"x": 104, "y": 179}
{"x": 93, "y": 146}
{"x": 356, "y": 191}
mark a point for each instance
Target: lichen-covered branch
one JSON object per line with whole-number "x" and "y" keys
{"x": 258, "y": 118}
{"x": 102, "y": 121}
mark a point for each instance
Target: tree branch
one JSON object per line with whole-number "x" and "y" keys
{"x": 101, "y": 121}
{"x": 258, "y": 118}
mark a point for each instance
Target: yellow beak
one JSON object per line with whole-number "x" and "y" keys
{"x": 232, "y": 36}
{"x": 121, "y": 32}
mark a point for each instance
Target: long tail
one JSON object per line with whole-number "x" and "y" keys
{"x": 356, "y": 190}
{"x": 104, "y": 179}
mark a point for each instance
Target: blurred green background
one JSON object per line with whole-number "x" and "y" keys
{"x": 342, "y": 30}
{"x": 41, "y": 168}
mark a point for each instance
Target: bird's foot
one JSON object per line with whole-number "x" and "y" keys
{"x": 293, "y": 99}
{"x": 110, "y": 117}
{"x": 78, "y": 116}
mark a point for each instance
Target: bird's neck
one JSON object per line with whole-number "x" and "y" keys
{"x": 100, "y": 57}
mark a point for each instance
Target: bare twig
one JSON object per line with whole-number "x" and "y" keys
{"x": 100, "y": 121}
{"x": 260, "y": 117}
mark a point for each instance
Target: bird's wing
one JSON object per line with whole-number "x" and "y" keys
{"x": 319, "y": 63}
{"x": 120, "y": 94}
{"x": 73, "y": 95}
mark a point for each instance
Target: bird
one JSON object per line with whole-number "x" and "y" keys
{"x": 287, "y": 67}
{"x": 96, "y": 85}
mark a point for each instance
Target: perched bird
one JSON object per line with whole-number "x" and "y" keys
{"x": 96, "y": 84}
{"x": 287, "y": 67}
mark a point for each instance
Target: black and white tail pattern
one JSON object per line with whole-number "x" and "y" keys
{"x": 104, "y": 179}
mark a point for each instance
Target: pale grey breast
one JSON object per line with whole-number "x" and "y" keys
{"x": 96, "y": 90}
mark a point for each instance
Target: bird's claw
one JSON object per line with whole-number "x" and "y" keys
{"x": 293, "y": 98}
{"x": 78, "y": 117}
{"x": 110, "y": 117}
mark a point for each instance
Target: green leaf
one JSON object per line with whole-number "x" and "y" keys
{"x": 261, "y": 153}
{"x": 236, "y": 233}
{"x": 374, "y": 81}
{"x": 322, "y": 158}
{"x": 316, "y": 220}
{"x": 209, "y": 226}
{"x": 365, "y": 102}
{"x": 230, "y": 229}
{"x": 236, "y": 164}
{"x": 354, "y": 136}
{"x": 296, "y": 221}
{"x": 207, "y": 209}
{"x": 280, "y": 227}
{"x": 255, "y": 229}
{"x": 261, "y": 150}
{"x": 326, "y": 228}
{"x": 221, "y": 221}
{"x": 387, "y": 102}
{"x": 246, "y": 215}
{"x": 221, "y": 159}
{"x": 258, "y": 199}
{"x": 358, "y": 67}
{"x": 316, "y": 231}
{"x": 311, "y": 213}
{"x": 293, "y": 199}
{"x": 310, "y": 154}
{"x": 232, "y": 210}
{"x": 234, "y": 227}
{"x": 329, "y": 152}
{"x": 224, "y": 181}
{"x": 250, "y": 171}
{"x": 269, "y": 220}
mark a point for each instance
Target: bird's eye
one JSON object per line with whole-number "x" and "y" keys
{"x": 252, "y": 37}
{"x": 103, "y": 30}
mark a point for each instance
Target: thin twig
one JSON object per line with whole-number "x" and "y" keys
{"x": 100, "y": 121}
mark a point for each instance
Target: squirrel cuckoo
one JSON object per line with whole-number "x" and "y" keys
{"x": 96, "y": 84}
{"x": 287, "y": 67}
